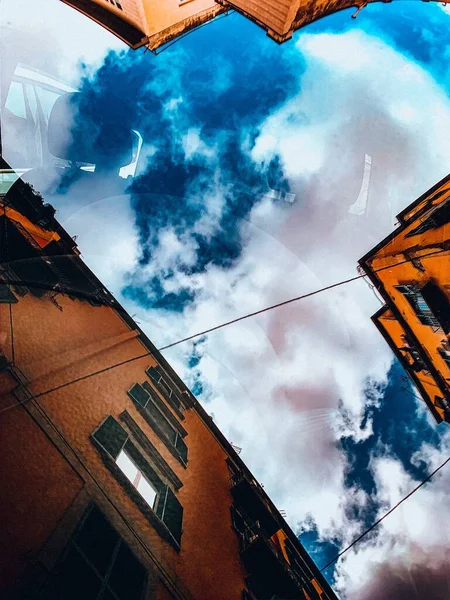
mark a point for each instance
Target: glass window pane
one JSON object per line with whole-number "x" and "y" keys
{"x": 97, "y": 540}
{"x": 76, "y": 579}
{"x": 127, "y": 466}
{"x": 127, "y": 577}
{"x": 147, "y": 491}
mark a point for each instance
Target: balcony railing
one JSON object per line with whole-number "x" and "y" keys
{"x": 253, "y": 540}
{"x": 250, "y": 496}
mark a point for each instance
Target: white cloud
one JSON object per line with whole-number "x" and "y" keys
{"x": 58, "y": 35}
{"x": 409, "y": 538}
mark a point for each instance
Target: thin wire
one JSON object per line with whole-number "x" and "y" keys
{"x": 296, "y": 299}
{"x": 129, "y": 360}
{"x": 385, "y": 515}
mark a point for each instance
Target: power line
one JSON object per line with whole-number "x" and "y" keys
{"x": 247, "y": 316}
{"x": 291, "y": 300}
{"x": 385, "y": 515}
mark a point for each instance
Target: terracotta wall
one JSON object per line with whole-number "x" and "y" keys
{"x": 54, "y": 346}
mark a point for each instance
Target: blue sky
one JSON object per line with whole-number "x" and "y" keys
{"x": 311, "y": 391}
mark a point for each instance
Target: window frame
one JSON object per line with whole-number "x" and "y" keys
{"x": 155, "y": 515}
{"x": 138, "y": 477}
{"x": 172, "y": 444}
{"x": 166, "y": 388}
{"x": 412, "y": 293}
{"x": 73, "y": 545}
{"x": 445, "y": 355}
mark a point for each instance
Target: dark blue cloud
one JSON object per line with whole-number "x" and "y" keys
{"x": 321, "y": 551}
{"x": 225, "y": 98}
{"x": 399, "y": 430}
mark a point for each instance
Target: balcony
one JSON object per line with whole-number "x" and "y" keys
{"x": 269, "y": 574}
{"x": 249, "y": 496}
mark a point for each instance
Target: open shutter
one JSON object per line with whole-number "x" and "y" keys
{"x": 170, "y": 511}
{"x": 111, "y": 436}
{"x": 139, "y": 395}
{"x": 145, "y": 468}
{"x": 181, "y": 448}
{"x": 438, "y": 302}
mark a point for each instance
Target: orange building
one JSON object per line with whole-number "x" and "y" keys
{"x": 153, "y": 23}
{"x": 116, "y": 484}
{"x": 150, "y": 23}
{"x": 411, "y": 270}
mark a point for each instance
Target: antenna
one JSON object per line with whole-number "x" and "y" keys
{"x": 237, "y": 449}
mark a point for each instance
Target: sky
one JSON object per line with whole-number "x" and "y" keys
{"x": 311, "y": 392}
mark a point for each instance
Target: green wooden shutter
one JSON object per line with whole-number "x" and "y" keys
{"x": 111, "y": 436}
{"x": 138, "y": 394}
{"x": 181, "y": 448}
{"x": 154, "y": 374}
{"x": 170, "y": 511}
{"x": 163, "y": 408}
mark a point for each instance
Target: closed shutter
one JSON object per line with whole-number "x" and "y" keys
{"x": 170, "y": 511}
{"x": 154, "y": 374}
{"x": 171, "y": 396}
{"x": 111, "y": 436}
{"x": 161, "y": 422}
{"x": 139, "y": 395}
{"x": 163, "y": 408}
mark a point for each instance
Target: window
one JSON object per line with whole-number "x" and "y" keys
{"x": 438, "y": 301}
{"x": 443, "y": 403}
{"x": 166, "y": 389}
{"x": 138, "y": 480}
{"x": 165, "y": 425}
{"x": 97, "y": 565}
{"x": 6, "y": 295}
{"x": 419, "y": 305}
{"x": 438, "y": 217}
{"x": 150, "y": 450}
{"x": 445, "y": 354}
{"x": 154, "y": 498}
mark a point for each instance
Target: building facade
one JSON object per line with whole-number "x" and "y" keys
{"x": 153, "y": 23}
{"x": 116, "y": 484}
{"x": 411, "y": 271}
{"x": 148, "y": 23}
